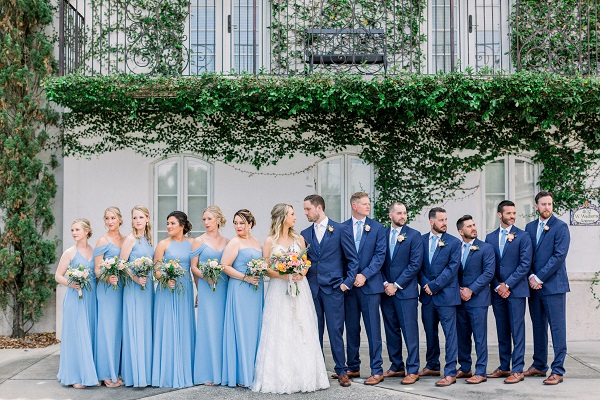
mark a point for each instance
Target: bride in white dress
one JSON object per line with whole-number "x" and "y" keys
{"x": 289, "y": 355}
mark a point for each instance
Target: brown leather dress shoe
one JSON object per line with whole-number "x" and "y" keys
{"x": 446, "y": 381}
{"x": 390, "y": 374}
{"x": 374, "y": 380}
{"x": 475, "y": 379}
{"x": 410, "y": 379}
{"x": 498, "y": 373}
{"x": 553, "y": 379}
{"x": 515, "y": 377}
{"x": 349, "y": 373}
{"x": 462, "y": 374}
{"x": 531, "y": 371}
{"x": 344, "y": 380}
{"x": 429, "y": 372}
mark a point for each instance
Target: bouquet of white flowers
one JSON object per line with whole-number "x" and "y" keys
{"x": 81, "y": 276}
{"x": 141, "y": 267}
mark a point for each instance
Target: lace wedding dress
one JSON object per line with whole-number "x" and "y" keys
{"x": 289, "y": 355}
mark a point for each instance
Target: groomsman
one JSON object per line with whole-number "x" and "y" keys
{"x": 440, "y": 295}
{"x": 478, "y": 265}
{"x": 369, "y": 243}
{"x": 512, "y": 247}
{"x": 549, "y": 284}
{"x": 330, "y": 248}
{"x": 399, "y": 303}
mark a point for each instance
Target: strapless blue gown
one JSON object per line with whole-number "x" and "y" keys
{"x": 174, "y": 326}
{"x": 78, "y": 330}
{"x": 208, "y": 359}
{"x": 241, "y": 331}
{"x": 136, "y": 361}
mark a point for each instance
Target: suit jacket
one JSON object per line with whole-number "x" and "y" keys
{"x": 549, "y": 255}
{"x": 441, "y": 274}
{"x": 477, "y": 274}
{"x": 329, "y": 257}
{"x": 512, "y": 267}
{"x": 371, "y": 255}
{"x": 404, "y": 265}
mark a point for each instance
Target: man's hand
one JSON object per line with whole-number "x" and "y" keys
{"x": 427, "y": 290}
{"x": 390, "y": 289}
{"x": 533, "y": 284}
{"x": 465, "y": 293}
{"x": 360, "y": 280}
{"x": 343, "y": 287}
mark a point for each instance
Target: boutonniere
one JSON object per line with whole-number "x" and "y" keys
{"x": 441, "y": 243}
{"x": 474, "y": 248}
{"x": 367, "y": 228}
{"x": 330, "y": 228}
{"x": 510, "y": 237}
{"x": 401, "y": 238}
{"x": 546, "y": 228}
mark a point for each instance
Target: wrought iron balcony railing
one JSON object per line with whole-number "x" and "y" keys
{"x": 190, "y": 37}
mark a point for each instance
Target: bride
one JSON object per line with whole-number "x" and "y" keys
{"x": 289, "y": 355}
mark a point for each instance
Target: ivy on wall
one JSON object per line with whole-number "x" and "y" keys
{"x": 422, "y": 133}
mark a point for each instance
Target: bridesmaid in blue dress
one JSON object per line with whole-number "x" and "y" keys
{"x": 109, "y": 330}
{"x": 174, "y": 327}
{"x": 211, "y": 304}
{"x": 136, "y": 359}
{"x": 244, "y": 304}
{"x": 76, "y": 365}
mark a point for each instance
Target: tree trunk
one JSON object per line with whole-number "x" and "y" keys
{"x": 17, "y": 330}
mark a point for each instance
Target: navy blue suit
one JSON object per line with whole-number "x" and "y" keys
{"x": 512, "y": 268}
{"x": 476, "y": 274}
{"x": 548, "y": 305}
{"x": 365, "y": 300}
{"x": 325, "y": 276}
{"x": 441, "y": 275}
{"x": 400, "y": 317}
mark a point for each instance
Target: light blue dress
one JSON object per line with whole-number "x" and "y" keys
{"x": 209, "y": 331}
{"x": 174, "y": 326}
{"x": 241, "y": 331}
{"x": 109, "y": 331}
{"x": 136, "y": 361}
{"x": 78, "y": 330}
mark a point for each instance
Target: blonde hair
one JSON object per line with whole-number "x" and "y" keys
{"x": 147, "y": 228}
{"x": 85, "y": 224}
{"x": 219, "y": 216}
{"x": 357, "y": 196}
{"x": 278, "y": 216}
{"x": 115, "y": 210}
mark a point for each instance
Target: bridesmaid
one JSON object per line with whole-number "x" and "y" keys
{"x": 244, "y": 305}
{"x": 110, "y": 303}
{"x": 174, "y": 328}
{"x": 136, "y": 362}
{"x": 76, "y": 365}
{"x": 211, "y": 305}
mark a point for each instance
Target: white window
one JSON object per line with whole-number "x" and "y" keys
{"x": 514, "y": 179}
{"x": 182, "y": 183}
{"x": 338, "y": 178}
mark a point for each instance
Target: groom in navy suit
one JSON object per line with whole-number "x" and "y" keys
{"x": 399, "y": 303}
{"x": 549, "y": 284}
{"x": 513, "y": 261}
{"x": 331, "y": 247}
{"x": 478, "y": 265}
{"x": 440, "y": 295}
{"x": 370, "y": 244}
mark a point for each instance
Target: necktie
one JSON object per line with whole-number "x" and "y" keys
{"x": 465, "y": 254}
{"x": 358, "y": 234}
{"x": 393, "y": 241}
{"x": 319, "y": 232}
{"x": 539, "y": 232}
{"x": 434, "y": 240}
{"x": 503, "y": 240}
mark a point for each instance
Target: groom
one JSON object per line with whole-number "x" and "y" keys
{"x": 330, "y": 247}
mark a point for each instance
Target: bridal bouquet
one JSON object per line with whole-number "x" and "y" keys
{"x": 211, "y": 270}
{"x": 141, "y": 267}
{"x": 258, "y": 268}
{"x": 170, "y": 271}
{"x": 81, "y": 276}
{"x": 113, "y": 266}
{"x": 288, "y": 263}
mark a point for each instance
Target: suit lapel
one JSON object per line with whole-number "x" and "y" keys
{"x": 363, "y": 237}
{"x": 438, "y": 248}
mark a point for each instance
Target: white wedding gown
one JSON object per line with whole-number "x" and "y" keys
{"x": 289, "y": 355}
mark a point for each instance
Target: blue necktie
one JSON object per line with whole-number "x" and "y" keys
{"x": 434, "y": 240}
{"x": 503, "y": 240}
{"x": 358, "y": 234}
{"x": 465, "y": 254}
{"x": 393, "y": 241}
{"x": 539, "y": 232}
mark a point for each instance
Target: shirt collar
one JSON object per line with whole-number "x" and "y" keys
{"x": 431, "y": 234}
{"x": 354, "y": 220}
{"x": 508, "y": 228}
{"x": 469, "y": 243}
{"x": 323, "y": 223}
{"x": 545, "y": 221}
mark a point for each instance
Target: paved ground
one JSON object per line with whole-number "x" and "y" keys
{"x": 31, "y": 374}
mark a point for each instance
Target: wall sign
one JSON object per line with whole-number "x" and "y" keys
{"x": 587, "y": 214}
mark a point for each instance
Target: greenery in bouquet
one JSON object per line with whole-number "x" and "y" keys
{"x": 211, "y": 271}
{"x": 113, "y": 266}
{"x": 170, "y": 271}
{"x": 256, "y": 267}
{"x": 141, "y": 267}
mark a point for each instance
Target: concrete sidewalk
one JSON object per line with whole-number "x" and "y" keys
{"x": 31, "y": 374}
